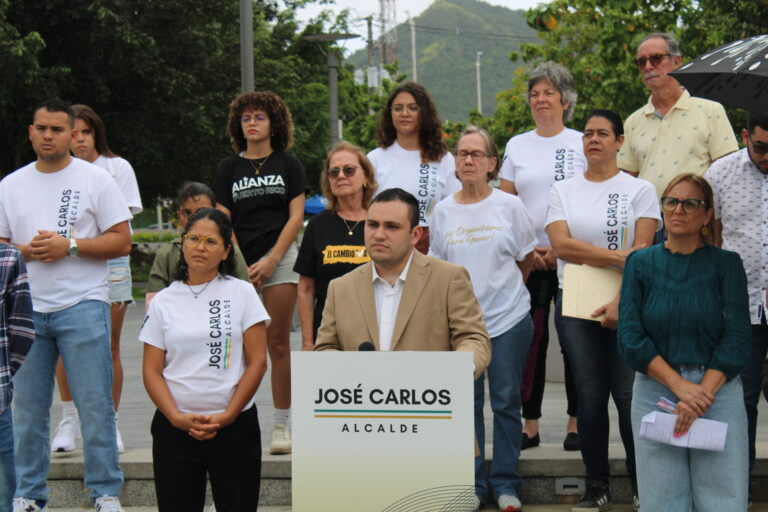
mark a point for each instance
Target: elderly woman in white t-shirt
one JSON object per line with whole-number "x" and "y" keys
{"x": 204, "y": 357}
{"x": 489, "y": 232}
{"x": 411, "y": 153}
{"x": 533, "y": 161}
{"x": 597, "y": 218}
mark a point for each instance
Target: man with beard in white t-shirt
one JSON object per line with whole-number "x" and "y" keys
{"x": 67, "y": 217}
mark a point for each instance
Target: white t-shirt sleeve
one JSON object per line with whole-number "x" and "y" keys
{"x": 452, "y": 183}
{"x": 5, "y": 226}
{"x": 647, "y": 204}
{"x": 129, "y": 187}
{"x": 151, "y": 331}
{"x": 555, "y": 209}
{"x": 436, "y": 248}
{"x": 110, "y": 206}
{"x": 507, "y": 171}
{"x": 524, "y": 230}
{"x": 254, "y": 311}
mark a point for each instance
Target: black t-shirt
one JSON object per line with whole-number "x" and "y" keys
{"x": 328, "y": 251}
{"x": 258, "y": 202}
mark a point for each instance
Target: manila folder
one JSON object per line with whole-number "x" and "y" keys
{"x": 586, "y": 288}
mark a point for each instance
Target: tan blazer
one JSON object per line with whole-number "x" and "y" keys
{"x": 438, "y": 311}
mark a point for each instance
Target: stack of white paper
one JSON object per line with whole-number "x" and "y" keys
{"x": 703, "y": 434}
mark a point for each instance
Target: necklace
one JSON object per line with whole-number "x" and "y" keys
{"x": 349, "y": 229}
{"x": 257, "y": 167}
{"x": 196, "y": 293}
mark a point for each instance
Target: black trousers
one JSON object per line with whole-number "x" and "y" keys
{"x": 232, "y": 461}
{"x": 543, "y": 285}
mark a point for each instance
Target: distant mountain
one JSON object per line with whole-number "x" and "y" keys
{"x": 448, "y": 36}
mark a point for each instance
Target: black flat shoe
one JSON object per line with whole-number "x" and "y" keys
{"x": 572, "y": 443}
{"x": 530, "y": 442}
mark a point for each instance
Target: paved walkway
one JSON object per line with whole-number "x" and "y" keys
{"x": 136, "y": 412}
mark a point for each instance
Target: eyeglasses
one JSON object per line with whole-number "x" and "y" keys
{"x": 669, "y": 204}
{"x": 210, "y": 242}
{"x": 348, "y": 170}
{"x": 759, "y": 148}
{"x": 412, "y": 108}
{"x": 655, "y": 59}
{"x": 257, "y": 117}
{"x": 476, "y": 155}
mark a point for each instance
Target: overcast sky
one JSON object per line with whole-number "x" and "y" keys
{"x": 363, "y": 8}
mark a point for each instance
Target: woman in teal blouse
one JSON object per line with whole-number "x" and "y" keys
{"x": 684, "y": 327}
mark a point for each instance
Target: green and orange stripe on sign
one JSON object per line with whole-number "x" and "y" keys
{"x": 386, "y": 414}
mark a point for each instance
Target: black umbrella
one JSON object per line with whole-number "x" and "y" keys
{"x": 735, "y": 74}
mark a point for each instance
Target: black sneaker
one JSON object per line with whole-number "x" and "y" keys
{"x": 596, "y": 499}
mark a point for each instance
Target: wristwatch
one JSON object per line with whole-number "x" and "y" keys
{"x": 72, "y": 247}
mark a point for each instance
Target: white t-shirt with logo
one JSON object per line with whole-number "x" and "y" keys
{"x": 603, "y": 214}
{"x": 203, "y": 340}
{"x": 534, "y": 163}
{"x": 488, "y": 238}
{"x": 429, "y": 182}
{"x": 122, "y": 172}
{"x": 79, "y": 201}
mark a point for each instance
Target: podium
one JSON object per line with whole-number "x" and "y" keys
{"x": 382, "y": 431}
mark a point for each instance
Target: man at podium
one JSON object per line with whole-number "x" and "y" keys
{"x": 402, "y": 299}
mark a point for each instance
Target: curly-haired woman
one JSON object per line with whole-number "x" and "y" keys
{"x": 411, "y": 153}
{"x": 262, "y": 188}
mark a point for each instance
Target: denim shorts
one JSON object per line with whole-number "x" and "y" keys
{"x": 284, "y": 273}
{"x": 119, "y": 281}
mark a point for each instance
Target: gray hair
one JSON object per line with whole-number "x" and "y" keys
{"x": 561, "y": 79}
{"x": 490, "y": 146}
{"x": 673, "y": 47}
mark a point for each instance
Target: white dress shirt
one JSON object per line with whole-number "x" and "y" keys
{"x": 387, "y": 302}
{"x": 741, "y": 204}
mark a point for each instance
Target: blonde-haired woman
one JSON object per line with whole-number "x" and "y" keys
{"x": 684, "y": 326}
{"x": 333, "y": 240}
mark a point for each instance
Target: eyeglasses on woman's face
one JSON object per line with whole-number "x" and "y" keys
{"x": 209, "y": 242}
{"x": 691, "y": 205}
{"x": 463, "y": 154}
{"x": 347, "y": 170}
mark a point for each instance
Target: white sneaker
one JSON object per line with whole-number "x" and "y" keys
{"x": 509, "y": 503}
{"x": 119, "y": 439}
{"x": 281, "y": 440}
{"x": 25, "y": 505}
{"x": 108, "y": 504}
{"x": 67, "y": 434}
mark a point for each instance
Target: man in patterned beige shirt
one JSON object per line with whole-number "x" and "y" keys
{"x": 673, "y": 133}
{"x": 740, "y": 185}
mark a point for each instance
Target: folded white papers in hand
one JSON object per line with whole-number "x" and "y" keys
{"x": 704, "y": 434}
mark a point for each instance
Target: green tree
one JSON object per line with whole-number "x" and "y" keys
{"x": 597, "y": 40}
{"x": 161, "y": 75}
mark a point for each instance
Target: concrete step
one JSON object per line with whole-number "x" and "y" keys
{"x": 550, "y": 476}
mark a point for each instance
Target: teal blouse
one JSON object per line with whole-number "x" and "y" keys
{"x": 686, "y": 308}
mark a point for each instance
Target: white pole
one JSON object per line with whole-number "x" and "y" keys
{"x": 479, "y": 95}
{"x": 413, "y": 48}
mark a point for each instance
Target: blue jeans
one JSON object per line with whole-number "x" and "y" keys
{"x": 80, "y": 334}
{"x": 675, "y": 479}
{"x": 598, "y": 372}
{"x": 508, "y": 356}
{"x": 751, "y": 382}
{"x": 7, "y": 471}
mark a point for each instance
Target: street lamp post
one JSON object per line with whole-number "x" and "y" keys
{"x": 333, "y": 79}
{"x": 479, "y": 94}
{"x": 246, "y": 46}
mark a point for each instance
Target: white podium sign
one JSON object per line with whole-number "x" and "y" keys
{"x": 382, "y": 431}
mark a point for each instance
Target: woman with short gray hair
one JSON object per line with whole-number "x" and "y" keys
{"x": 532, "y": 162}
